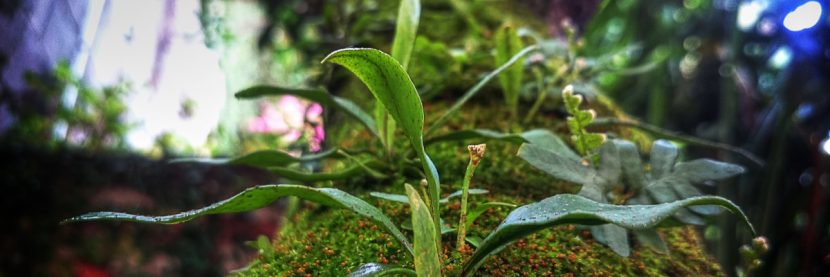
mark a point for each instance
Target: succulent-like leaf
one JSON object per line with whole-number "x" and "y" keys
{"x": 377, "y": 270}
{"x": 613, "y": 236}
{"x": 574, "y": 209}
{"x": 549, "y": 141}
{"x": 559, "y": 166}
{"x": 427, "y": 261}
{"x": 651, "y": 239}
{"x": 261, "y": 196}
{"x": 319, "y": 96}
{"x": 262, "y": 159}
{"x": 388, "y": 82}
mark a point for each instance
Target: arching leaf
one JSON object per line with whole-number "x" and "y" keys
{"x": 261, "y": 196}
{"x": 262, "y": 159}
{"x": 574, "y": 209}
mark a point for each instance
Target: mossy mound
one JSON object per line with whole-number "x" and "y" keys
{"x": 318, "y": 241}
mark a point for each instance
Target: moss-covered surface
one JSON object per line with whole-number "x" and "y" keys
{"x": 323, "y": 242}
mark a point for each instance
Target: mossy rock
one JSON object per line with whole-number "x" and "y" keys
{"x": 317, "y": 241}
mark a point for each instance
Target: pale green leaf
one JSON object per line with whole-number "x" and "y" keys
{"x": 559, "y": 166}
{"x": 508, "y": 43}
{"x": 427, "y": 261}
{"x": 574, "y": 209}
{"x": 406, "y": 29}
{"x": 651, "y": 239}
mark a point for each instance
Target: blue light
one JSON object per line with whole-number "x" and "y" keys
{"x": 804, "y": 17}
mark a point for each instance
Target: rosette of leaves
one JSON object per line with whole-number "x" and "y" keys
{"x": 619, "y": 178}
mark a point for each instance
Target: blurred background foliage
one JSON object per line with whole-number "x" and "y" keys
{"x": 729, "y": 71}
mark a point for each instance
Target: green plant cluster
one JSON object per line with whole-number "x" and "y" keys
{"x": 423, "y": 253}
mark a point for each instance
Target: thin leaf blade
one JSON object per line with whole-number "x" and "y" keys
{"x": 376, "y": 270}
{"x": 258, "y": 197}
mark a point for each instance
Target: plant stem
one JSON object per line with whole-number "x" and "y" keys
{"x": 476, "y": 152}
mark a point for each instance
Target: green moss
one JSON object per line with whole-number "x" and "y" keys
{"x": 323, "y": 242}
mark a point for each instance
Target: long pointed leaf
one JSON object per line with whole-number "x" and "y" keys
{"x": 479, "y": 134}
{"x": 316, "y": 95}
{"x": 574, "y": 209}
{"x": 427, "y": 262}
{"x": 477, "y": 87}
{"x": 261, "y": 159}
{"x": 406, "y": 29}
{"x": 261, "y": 196}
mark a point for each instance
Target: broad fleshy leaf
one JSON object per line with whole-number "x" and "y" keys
{"x": 261, "y": 196}
{"x": 574, "y": 209}
{"x": 377, "y": 270}
{"x": 319, "y": 96}
{"x": 427, "y": 261}
{"x": 262, "y": 159}
{"x": 549, "y": 141}
{"x": 559, "y": 166}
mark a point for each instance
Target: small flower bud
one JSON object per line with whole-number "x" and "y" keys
{"x": 761, "y": 244}
{"x": 476, "y": 153}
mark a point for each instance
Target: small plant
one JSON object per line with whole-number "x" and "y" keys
{"x": 584, "y": 141}
{"x": 387, "y": 80}
{"x": 476, "y": 153}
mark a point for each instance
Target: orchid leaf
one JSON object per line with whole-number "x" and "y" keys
{"x": 427, "y": 261}
{"x": 261, "y": 196}
{"x": 262, "y": 159}
{"x": 390, "y": 85}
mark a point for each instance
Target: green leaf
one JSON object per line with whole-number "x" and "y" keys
{"x": 262, "y": 159}
{"x": 319, "y": 96}
{"x": 388, "y": 82}
{"x": 556, "y": 165}
{"x": 478, "y": 134}
{"x": 478, "y": 86}
{"x": 474, "y": 213}
{"x": 406, "y": 29}
{"x": 309, "y": 177}
{"x": 574, "y": 209}
{"x": 702, "y": 170}
{"x": 663, "y": 157}
{"x": 400, "y": 198}
{"x": 613, "y": 236}
{"x": 652, "y": 239}
{"x": 261, "y": 196}
{"x": 632, "y": 164}
{"x": 549, "y": 141}
{"x": 377, "y": 270}
{"x": 427, "y": 261}
{"x": 508, "y": 43}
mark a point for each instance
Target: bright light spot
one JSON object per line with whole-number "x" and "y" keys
{"x": 781, "y": 58}
{"x": 825, "y": 146}
{"x": 803, "y": 17}
{"x": 748, "y": 14}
